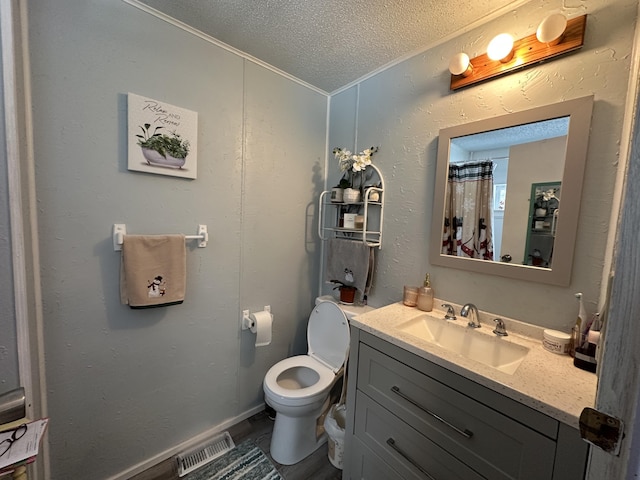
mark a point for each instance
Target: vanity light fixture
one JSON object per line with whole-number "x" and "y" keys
{"x": 555, "y": 36}
{"x": 551, "y": 29}
{"x": 501, "y": 48}
{"x": 460, "y": 64}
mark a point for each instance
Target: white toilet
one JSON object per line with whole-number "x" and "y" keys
{"x": 297, "y": 388}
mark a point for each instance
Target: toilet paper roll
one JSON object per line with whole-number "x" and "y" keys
{"x": 261, "y": 326}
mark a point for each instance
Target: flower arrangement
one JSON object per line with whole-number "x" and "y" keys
{"x": 351, "y": 163}
{"x": 547, "y": 199}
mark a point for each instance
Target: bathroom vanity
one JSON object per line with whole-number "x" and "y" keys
{"x": 418, "y": 410}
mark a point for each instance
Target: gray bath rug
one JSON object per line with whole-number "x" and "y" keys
{"x": 245, "y": 462}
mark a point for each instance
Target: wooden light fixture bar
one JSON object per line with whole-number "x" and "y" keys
{"x": 526, "y": 52}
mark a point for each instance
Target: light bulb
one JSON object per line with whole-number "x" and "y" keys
{"x": 551, "y": 29}
{"x": 501, "y": 48}
{"x": 460, "y": 65}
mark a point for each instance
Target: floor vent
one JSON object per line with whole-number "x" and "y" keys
{"x": 204, "y": 453}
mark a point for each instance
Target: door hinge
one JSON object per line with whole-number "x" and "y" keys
{"x": 601, "y": 430}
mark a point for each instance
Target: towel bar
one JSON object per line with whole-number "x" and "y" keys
{"x": 120, "y": 230}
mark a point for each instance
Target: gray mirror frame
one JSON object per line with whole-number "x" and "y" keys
{"x": 579, "y": 110}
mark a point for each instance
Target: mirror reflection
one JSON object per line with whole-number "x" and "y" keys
{"x": 495, "y": 209}
{"x": 507, "y": 192}
{"x": 543, "y": 223}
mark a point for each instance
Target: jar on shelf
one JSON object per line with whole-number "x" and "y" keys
{"x": 337, "y": 195}
{"x": 351, "y": 195}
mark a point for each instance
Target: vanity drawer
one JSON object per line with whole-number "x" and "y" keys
{"x": 408, "y": 452}
{"x": 489, "y": 442}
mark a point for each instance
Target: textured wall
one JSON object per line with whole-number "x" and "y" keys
{"x": 125, "y": 385}
{"x": 403, "y": 108}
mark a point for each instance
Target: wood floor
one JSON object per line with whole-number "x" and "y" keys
{"x": 258, "y": 428}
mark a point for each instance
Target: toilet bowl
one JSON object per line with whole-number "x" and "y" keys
{"x": 298, "y": 388}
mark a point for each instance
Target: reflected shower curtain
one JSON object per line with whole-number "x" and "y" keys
{"x": 467, "y": 222}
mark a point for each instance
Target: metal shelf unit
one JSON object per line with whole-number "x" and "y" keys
{"x": 372, "y": 212}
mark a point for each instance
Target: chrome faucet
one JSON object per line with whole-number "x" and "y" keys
{"x": 474, "y": 320}
{"x": 451, "y": 313}
{"x": 500, "y": 329}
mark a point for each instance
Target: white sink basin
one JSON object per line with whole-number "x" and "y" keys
{"x": 490, "y": 350}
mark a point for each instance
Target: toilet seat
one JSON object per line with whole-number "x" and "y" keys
{"x": 325, "y": 378}
{"x": 328, "y": 335}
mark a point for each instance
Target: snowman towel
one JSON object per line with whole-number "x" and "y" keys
{"x": 350, "y": 262}
{"x": 153, "y": 270}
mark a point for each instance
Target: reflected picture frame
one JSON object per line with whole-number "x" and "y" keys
{"x": 499, "y": 196}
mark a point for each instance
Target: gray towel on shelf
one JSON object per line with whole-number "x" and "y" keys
{"x": 350, "y": 262}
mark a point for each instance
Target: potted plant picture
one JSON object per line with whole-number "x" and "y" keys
{"x": 162, "y": 138}
{"x": 158, "y": 148}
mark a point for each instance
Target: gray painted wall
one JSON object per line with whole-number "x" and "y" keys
{"x": 403, "y": 108}
{"x": 125, "y": 385}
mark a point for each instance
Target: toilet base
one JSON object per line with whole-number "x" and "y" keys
{"x": 294, "y": 438}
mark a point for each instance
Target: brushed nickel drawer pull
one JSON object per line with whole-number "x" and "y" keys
{"x": 465, "y": 433}
{"x": 392, "y": 443}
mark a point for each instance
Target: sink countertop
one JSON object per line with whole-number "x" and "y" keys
{"x": 545, "y": 381}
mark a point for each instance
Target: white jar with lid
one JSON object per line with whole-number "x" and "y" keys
{"x": 556, "y": 342}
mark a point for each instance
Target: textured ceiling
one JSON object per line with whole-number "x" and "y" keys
{"x": 507, "y": 137}
{"x": 328, "y": 43}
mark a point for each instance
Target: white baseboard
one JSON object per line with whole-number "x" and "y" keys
{"x": 156, "y": 459}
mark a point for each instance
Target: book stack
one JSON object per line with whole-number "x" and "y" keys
{"x": 19, "y": 446}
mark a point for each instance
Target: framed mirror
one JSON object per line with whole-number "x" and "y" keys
{"x": 499, "y": 183}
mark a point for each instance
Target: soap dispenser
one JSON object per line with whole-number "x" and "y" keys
{"x": 425, "y": 296}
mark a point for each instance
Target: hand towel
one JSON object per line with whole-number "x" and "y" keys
{"x": 350, "y": 262}
{"x": 153, "y": 270}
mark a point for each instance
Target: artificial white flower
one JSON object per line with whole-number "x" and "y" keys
{"x": 361, "y": 162}
{"x": 354, "y": 162}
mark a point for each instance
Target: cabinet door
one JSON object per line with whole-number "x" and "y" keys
{"x": 366, "y": 465}
{"x": 403, "y": 448}
{"x": 491, "y": 443}
{"x": 571, "y": 455}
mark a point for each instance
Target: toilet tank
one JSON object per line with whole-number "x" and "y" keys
{"x": 349, "y": 310}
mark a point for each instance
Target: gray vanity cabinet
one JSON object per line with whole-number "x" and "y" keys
{"x": 411, "y": 419}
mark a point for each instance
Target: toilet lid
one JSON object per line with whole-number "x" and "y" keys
{"x": 328, "y": 335}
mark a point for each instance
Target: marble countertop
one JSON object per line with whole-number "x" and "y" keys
{"x": 544, "y": 381}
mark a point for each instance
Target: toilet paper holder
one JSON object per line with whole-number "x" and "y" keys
{"x": 247, "y": 321}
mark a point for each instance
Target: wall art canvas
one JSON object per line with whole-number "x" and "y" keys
{"x": 163, "y": 138}
{"x": 499, "y": 196}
